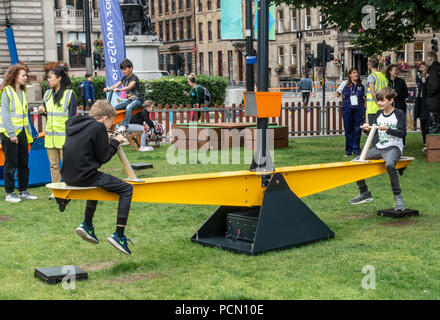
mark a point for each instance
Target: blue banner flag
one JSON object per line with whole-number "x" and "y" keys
{"x": 271, "y": 21}
{"x": 112, "y": 27}
{"x": 11, "y": 45}
{"x": 231, "y": 23}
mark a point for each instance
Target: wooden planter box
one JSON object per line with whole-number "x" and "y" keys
{"x": 433, "y": 148}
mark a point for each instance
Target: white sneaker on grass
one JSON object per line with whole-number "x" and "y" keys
{"x": 147, "y": 148}
{"x": 12, "y": 197}
{"x": 27, "y": 195}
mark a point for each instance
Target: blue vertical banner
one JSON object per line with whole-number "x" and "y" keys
{"x": 11, "y": 45}
{"x": 271, "y": 21}
{"x": 231, "y": 20}
{"x": 113, "y": 35}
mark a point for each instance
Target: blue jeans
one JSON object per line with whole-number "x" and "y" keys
{"x": 353, "y": 119}
{"x": 128, "y": 106}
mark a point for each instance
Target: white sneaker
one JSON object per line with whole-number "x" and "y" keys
{"x": 147, "y": 148}
{"x": 51, "y": 197}
{"x": 121, "y": 130}
{"x": 12, "y": 197}
{"x": 27, "y": 195}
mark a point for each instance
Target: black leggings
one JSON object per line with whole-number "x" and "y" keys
{"x": 118, "y": 186}
{"x": 16, "y": 159}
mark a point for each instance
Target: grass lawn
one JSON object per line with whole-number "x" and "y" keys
{"x": 165, "y": 264}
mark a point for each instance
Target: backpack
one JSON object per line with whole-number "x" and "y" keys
{"x": 206, "y": 95}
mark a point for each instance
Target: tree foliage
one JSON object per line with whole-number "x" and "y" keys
{"x": 397, "y": 22}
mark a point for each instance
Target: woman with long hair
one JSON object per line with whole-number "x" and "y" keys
{"x": 353, "y": 110}
{"x": 15, "y": 133}
{"x": 59, "y": 105}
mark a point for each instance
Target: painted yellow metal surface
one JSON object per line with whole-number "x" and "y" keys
{"x": 235, "y": 188}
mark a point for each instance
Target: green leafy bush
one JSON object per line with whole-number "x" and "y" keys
{"x": 167, "y": 90}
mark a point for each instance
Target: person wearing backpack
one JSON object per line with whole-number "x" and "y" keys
{"x": 87, "y": 92}
{"x": 196, "y": 95}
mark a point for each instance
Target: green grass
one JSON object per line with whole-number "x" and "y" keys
{"x": 165, "y": 264}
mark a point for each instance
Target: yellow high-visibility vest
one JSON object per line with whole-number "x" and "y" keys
{"x": 57, "y": 115}
{"x": 19, "y": 114}
{"x": 380, "y": 82}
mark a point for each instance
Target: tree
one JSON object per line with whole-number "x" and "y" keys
{"x": 396, "y": 22}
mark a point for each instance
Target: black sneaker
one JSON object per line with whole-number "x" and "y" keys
{"x": 120, "y": 243}
{"x": 87, "y": 233}
{"x": 363, "y": 197}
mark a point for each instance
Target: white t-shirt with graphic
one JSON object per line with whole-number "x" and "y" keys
{"x": 396, "y": 124}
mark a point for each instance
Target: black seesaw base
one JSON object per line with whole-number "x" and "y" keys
{"x": 282, "y": 221}
{"x": 55, "y": 274}
{"x": 397, "y": 214}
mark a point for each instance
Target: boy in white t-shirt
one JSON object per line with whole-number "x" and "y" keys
{"x": 388, "y": 145}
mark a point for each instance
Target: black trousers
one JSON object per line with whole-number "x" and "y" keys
{"x": 16, "y": 159}
{"x": 118, "y": 186}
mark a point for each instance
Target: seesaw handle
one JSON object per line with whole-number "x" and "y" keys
{"x": 368, "y": 142}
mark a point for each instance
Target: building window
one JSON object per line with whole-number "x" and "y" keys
{"x": 200, "y": 6}
{"x": 308, "y": 19}
{"x": 188, "y": 30}
{"x": 280, "y": 14}
{"x": 230, "y": 66}
{"x": 77, "y": 4}
{"x": 200, "y": 32}
{"x": 209, "y": 30}
{"x": 293, "y": 20}
{"x": 77, "y": 60}
{"x": 167, "y": 6}
{"x": 190, "y": 62}
{"x": 202, "y": 67}
{"x": 174, "y": 26}
{"x": 60, "y": 46}
{"x": 220, "y": 63}
{"x": 56, "y": 4}
{"x": 173, "y": 5}
{"x": 307, "y": 49}
{"x": 321, "y": 21}
{"x": 180, "y": 5}
{"x": 219, "y": 4}
{"x": 167, "y": 31}
{"x": 210, "y": 64}
{"x": 160, "y": 30}
{"x": 419, "y": 55}
{"x": 281, "y": 55}
{"x": 152, "y": 8}
{"x": 160, "y": 7}
{"x": 293, "y": 54}
{"x": 161, "y": 61}
{"x": 181, "y": 29}
{"x": 209, "y": 4}
{"x": 168, "y": 63}
{"x": 219, "y": 29}
{"x": 188, "y": 4}
{"x": 401, "y": 54}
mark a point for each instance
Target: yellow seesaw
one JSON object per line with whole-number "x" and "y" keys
{"x": 272, "y": 213}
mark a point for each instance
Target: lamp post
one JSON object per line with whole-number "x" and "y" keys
{"x": 89, "y": 66}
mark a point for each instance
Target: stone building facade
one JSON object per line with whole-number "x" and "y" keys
{"x": 191, "y": 34}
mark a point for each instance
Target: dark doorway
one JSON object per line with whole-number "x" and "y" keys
{"x": 360, "y": 62}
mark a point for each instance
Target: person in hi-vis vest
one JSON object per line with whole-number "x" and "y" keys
{"x": 59, "y": 105}
{"x": 376, "y": 81}
{"x": 15, "y": 133}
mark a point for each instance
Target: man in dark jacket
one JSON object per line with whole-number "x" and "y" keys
{"x": 433, "y": 92}
{"x": 87, "y": 147}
